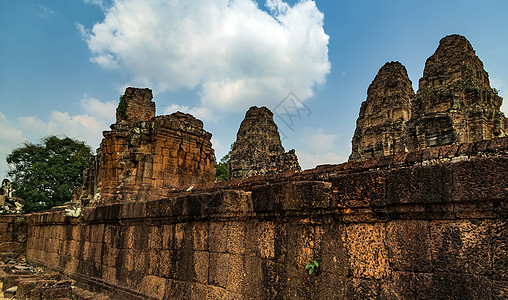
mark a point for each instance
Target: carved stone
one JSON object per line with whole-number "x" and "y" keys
{"x": 138, "y": 106}
{"x": 9, "y": 203}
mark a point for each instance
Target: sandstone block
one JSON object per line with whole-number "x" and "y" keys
{"x": 461, "y": 246}
{"x": 408, "y": 244}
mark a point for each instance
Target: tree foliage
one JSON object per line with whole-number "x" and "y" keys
{"x": 222, "y": 173}
{"x": 45, "y": 174}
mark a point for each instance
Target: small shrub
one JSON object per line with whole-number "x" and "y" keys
{"x": 122, "y": 107}
{"x": 312, "y": 266}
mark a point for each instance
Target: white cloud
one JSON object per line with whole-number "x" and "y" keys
{"x": 317, "y": 148}
{"x": 311, "y": 160}
{"x": 236, "y": 53}
{"x": 101, "y": 3}
{"x": 218, "y": 147}
{"x": 10, "y": 138}
{"x": 201, "y": 113}
{"x": 87, "y": 127}
{"x": 45, "y": 12}
{"x": 102, "y": 110}
{"x": 319, "y": 141}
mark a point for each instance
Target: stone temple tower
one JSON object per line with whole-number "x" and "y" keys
{"x": 258, "y": 149}
{"x": 455, "y": 102}
{"x": 381, "y": 125}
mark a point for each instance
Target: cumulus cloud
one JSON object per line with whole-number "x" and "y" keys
{"x": 87, "y": 127}
{"x": 101, "y": 3}
{"x": 236, "y": 53}
{"x": 10, "y": 138}
{"x": 101, "y": 110}
{"x": 318, "y": 148}
{"x": 201, "y": 113}
{"x": 218, "y": 147}
{"x": 320, "y": 141}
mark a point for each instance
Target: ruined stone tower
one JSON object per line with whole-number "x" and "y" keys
{"x": 381, "y": 125}
{"x": 135, "y": 105}
{"x": 258, "y": 149}
{"x": 144, "y": 156}
{"x": 455, "y": 102}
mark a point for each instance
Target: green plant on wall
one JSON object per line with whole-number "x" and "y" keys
{"x": 496, "y": 91}
{"x": 312, "y": 266}
{"x": 122, "y": 107}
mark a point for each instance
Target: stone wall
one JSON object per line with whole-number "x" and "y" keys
{"x": 416, "y": 225}
{"x": 13, "y": 234}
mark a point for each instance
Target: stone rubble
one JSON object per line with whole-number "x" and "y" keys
{"x": 21, "y": 280}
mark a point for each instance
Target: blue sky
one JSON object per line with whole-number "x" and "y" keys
{"x": 64, "y": 63}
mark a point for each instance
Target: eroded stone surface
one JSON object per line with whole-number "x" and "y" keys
{"x": 258, "y": 149}
{"x": 380, "y": 128}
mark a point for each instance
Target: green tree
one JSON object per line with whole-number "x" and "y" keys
{"x": 222, "y": 173}
{"x": 45, "y": 174}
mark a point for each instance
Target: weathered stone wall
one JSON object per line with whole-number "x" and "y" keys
{"x": 424, "y": 224}
{"x": 145, "y": 157}
{"x": 13, "y": 234}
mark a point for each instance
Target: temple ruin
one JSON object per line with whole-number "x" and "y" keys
{"x": 454, "y": 104}
{"x": 9, "y": 202}
{"x": 144, "y": 156}
{"x": 419, "y": 212}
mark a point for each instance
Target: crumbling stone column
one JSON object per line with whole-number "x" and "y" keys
{"x": 135, "y": 105}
